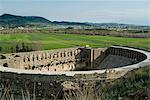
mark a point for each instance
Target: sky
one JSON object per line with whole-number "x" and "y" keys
{"x": 96, "y": 11}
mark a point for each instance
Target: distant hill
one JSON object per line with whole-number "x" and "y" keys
{"x": 8, "y": 20}
{"x": 70, "y": 23}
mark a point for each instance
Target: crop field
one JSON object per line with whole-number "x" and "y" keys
{"x": 56, "y": 40}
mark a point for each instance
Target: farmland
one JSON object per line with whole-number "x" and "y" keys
{"x": 60, "y": 40}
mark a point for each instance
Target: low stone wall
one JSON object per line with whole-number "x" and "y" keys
{"x": 129, "y": 53}
{"x": 71, "y": 59}
{"x": 50, "y": 60}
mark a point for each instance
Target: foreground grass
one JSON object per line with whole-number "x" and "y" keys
{"x": 55, "y": 40}
{"x": 126, "y": 86}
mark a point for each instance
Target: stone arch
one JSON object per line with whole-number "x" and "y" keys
{"x": 61, "y": 54}
{"x": 28, "y": 58}
{"x": 46, "y": 55}
{"x": 24, "y": 59}
{"x": 50, "y": 56}
{"x": 64, "y": 54}
{"x": 57, "y": 54}
{"x": 42, "y": 56}
{"x": 33, "y": 58}
{"x": 71, "y": 53}
{"x": 53, "y": 55}
{"x": 68, "y": 54}
{"x": 37, "y": 58}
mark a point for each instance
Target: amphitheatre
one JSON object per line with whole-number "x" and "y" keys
{"x": 48, "y": 69}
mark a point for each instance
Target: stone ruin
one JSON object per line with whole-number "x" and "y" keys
{"x": 40, "y": 71}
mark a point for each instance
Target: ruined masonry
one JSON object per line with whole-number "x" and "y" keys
{"x": 44, "y": 73}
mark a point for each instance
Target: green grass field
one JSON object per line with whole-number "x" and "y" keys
{"x": 54, "y": 41}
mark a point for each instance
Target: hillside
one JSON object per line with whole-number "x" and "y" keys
{"x": 8, "y": 20}
{"x": 11, "y": 21}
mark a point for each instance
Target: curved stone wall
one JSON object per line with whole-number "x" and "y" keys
{"x": 129, "y": 53}
{"x": 118, "y": 57}
{"x": 22, "y": 71}
{"x": 73, "y": 59}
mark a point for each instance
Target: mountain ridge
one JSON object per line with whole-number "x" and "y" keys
{"x": 9, "y": 20}
{"x": 16, "y": 21}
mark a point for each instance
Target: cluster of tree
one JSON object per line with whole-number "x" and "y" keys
{"x": 22, "y": 48}
{"x": 0, "y": 49}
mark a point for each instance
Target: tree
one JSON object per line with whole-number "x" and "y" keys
{"x": 23, "y": 47}
{"x": 17, "y": 48}
{"x": 11, "y": 49}
{"x": 0, "y": 48}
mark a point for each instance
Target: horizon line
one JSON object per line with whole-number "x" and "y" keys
{"x": 78, "y": 21}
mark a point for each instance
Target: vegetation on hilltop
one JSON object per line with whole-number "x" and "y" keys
{"x": 8, "y": 20}
{"x": 13, "y": 21}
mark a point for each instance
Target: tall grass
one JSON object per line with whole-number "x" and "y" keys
{"x": 138, "y": 79}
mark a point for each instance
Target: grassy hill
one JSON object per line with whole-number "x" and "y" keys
{"x": 7, "y": 20}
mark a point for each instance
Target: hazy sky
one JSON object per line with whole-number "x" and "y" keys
{"x": 119, "y": 11}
